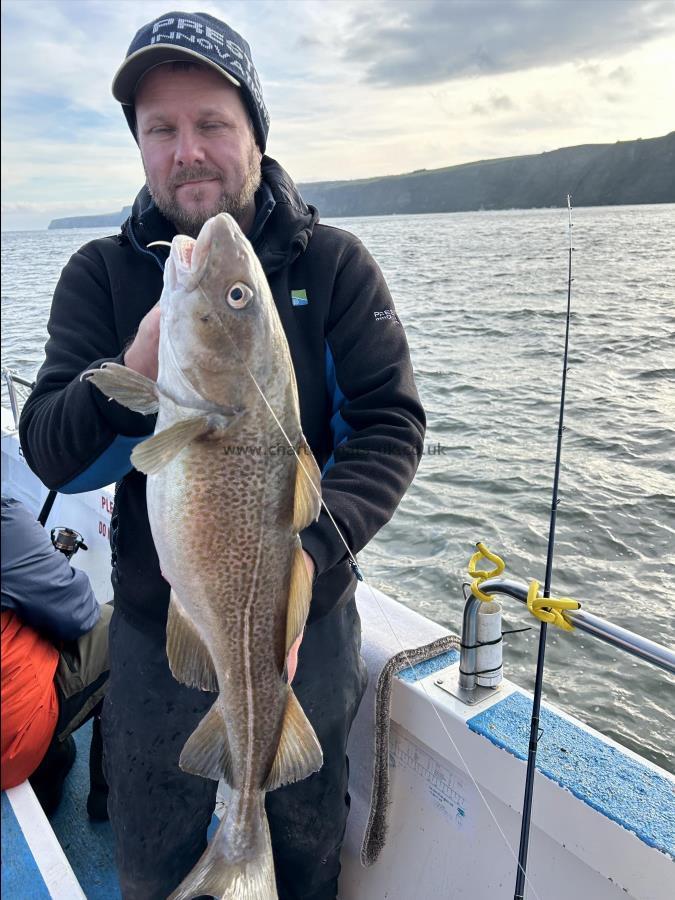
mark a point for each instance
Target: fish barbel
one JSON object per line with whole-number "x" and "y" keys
{"x": 226, "y": 501}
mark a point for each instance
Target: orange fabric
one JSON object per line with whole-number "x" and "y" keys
{"x": 30, "y": 707}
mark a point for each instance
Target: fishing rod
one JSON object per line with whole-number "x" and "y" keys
{"x": 539, "y": 676}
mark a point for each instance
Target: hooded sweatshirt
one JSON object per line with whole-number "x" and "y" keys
{"x": 359, "y": 407}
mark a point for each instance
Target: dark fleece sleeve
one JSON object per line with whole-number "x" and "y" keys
{"x": 384, "y": 419}
{"x": 39, "y": 583}
{"x": 67, "y": 425}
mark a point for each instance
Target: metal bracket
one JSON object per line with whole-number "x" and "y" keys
{"x": 450, "y": 684}
{"x": 11, "y": 390}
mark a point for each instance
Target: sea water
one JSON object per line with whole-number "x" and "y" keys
{"x": 482, "y": 297}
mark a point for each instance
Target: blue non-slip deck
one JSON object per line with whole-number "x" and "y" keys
{"x": 21, "y": 877}
{"x": 411, "y": 674}
{"x": 619, "y": 786}
{"x": 88, "y": 845}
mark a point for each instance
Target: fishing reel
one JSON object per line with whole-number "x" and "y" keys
{"x": 67, "y": 541}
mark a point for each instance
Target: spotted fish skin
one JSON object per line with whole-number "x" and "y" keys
{"x": 226, "y": 501}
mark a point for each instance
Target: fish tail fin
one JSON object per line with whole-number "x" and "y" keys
{"x": 220, "y": 873}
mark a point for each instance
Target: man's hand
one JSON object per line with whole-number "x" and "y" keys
{"x": 141, "y": 356}
{"x": 292, "y": 661}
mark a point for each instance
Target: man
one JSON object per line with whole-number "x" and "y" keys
{"x": 54, "y": 663}
{"x": 193, "y": 101}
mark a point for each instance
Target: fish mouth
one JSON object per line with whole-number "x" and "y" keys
{"x": 189, "y": 257}
{"x": 187, "y": 261}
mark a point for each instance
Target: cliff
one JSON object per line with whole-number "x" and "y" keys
{"x": 641, "y": 171}
{"x": 104, "y": 219}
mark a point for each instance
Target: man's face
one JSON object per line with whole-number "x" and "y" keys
{"x": 197, "y": 146}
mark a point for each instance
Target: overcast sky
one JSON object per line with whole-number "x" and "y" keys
{"x": 355, "y": 88}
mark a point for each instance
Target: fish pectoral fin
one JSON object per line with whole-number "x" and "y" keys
{"x": 189, "y": 658}
{"x": 307, "y": 500}
{"x": 207, "y": 751}
{"x": 299, "y": 597}
{"x": 127, "y": 387}
{"x": 299, "y": 752}
{"x": 158, "y": 451}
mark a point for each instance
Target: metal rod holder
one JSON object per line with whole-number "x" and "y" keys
{"x": 468, "y": 650}
{"x": 11, "y": 380}
{"x": 621, "y": 638}
{"x": 464, "y": 686}
{"x": 461, "y": 682}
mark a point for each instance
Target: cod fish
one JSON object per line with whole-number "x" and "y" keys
{"x": 226, "y": 500}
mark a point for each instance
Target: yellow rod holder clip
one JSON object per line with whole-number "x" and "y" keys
{"x": 550, "y": 609}
{"x": 481, "y": 575}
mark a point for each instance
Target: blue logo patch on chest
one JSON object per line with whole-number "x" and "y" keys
{"x": 299, "y": 298}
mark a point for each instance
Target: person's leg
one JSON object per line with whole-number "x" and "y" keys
{"x": 81, "y": 681}
{"x": 82, "y": 675}
{"x": 308, "y": 819}
{"x": 97, "y": 801}
{"x": 47, "y": 780}
{"x": 159, "y": 814}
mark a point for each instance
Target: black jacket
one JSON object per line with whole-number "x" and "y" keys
{"x": 359, "y": 407}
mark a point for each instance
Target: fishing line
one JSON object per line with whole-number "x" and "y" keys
{"x": 359, "y": 575}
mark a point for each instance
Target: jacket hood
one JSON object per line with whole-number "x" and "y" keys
{"x": 290, "y": 224}
{"x": 284, "y": 236}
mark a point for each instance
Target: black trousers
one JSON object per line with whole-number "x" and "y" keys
{"x": 160, "y": 814}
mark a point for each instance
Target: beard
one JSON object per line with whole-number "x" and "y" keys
{"x": 237, "y": 203}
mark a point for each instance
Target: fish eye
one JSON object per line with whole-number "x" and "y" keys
{"x": 239, "y": 295}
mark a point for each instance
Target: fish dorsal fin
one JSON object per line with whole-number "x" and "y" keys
{"x": 127, "y": 387}
{"x": 207, "y": 751}
{"x": 299, "y": 597}
{"x": 189, "y": 658}
{"x": 299, "y": 752}
{"x": 158, "y": 451}
{"x": 307, "y": 501}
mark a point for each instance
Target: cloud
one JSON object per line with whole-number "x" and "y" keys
{"x": 591, "y": 70}
{"x": 501, "y": 102}
{"x": 623, "y": 75}
{"x": 337, "y": 111}
{"x": 431, "y": 41}
{"x": 494, "y": 104}
{"x": 308, "y": 41}
{"x": 597, "y": 74}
